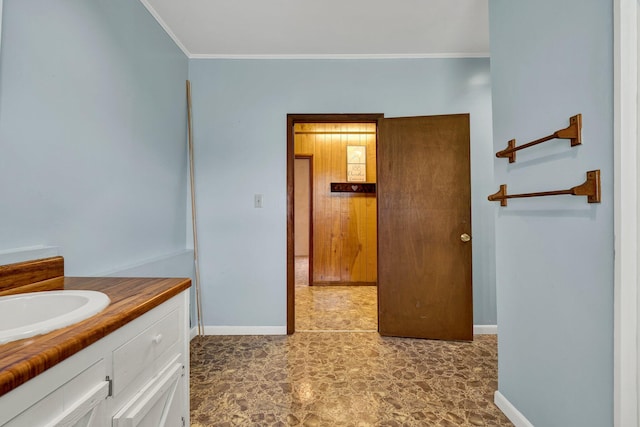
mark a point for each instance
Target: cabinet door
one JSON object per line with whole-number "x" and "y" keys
{"x": 86, "y": 412}
{"x": 81, "y": 402}
{"x": 158, "y": 403}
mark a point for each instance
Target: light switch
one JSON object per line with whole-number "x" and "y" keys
{"x": 257, "y": 200}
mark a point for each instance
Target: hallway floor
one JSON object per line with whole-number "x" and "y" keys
{"x": 333, "y": 308}
{"x": 325, "y": 377}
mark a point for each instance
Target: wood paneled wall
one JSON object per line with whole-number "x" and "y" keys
{"x": 344, "y": 224}
{"x": 302, "y": 226}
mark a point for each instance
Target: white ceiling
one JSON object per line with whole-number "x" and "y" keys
{"x": 327, "y": 28}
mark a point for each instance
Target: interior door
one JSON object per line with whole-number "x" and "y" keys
{"x": 424, "y": 228}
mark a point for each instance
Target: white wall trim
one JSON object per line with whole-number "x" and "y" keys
{"x": 510, "y": 411}
{"x": 625, "y": 377}
{"x": 343, "y": 56}
{"x": 245, "y": 330}
{"x": 193, "y": 333}
{"x": 485, "y": 329}
{"x": 165, "y": 27}
{"x": 11, "y": 256}
{"x": 282, "y": 330}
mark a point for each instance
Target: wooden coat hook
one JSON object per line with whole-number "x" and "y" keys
{"x": 590, "y": 188}
{"x": 573, "y": 132}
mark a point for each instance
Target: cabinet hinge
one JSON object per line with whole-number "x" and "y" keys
{"x": 183, "y": 422}
{"x": 110, "y": 381}
{"x": 183, "y": 370}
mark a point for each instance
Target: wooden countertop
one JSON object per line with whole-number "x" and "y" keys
{"x": 130, "y": 298}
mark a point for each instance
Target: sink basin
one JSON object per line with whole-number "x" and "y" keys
{"x": 29, "y": 314}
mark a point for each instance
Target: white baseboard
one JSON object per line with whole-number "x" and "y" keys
{"x": 193, "y": 333}
{"x": 11, "y": 256}
{"x": 485, "y": 329}
{"x": 510, "y": 411}
{"x": 282, "y": 330}
{"x": 245, "y": 330}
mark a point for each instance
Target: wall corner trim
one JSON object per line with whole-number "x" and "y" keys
{"x": 485, "y": 329}
{"x": 626, "y": 350}
{"x": 510, "y": 411}
{"x": 166, "y": 27}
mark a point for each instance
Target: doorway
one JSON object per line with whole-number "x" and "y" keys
{"x": 334, "y": 273}
{"x": 335, "y": 228}
{"x": 423, "y": 191}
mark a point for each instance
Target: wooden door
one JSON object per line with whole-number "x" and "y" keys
{"x": 424, "y": 216}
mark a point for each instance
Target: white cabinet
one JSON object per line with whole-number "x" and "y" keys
{"x": 137, "y": 376}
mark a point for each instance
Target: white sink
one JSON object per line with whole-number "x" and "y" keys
{"x": 35, "y": 313}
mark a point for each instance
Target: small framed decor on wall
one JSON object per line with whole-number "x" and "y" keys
{"x": 356, "y": 163}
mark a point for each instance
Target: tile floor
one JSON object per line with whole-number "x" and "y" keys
{"x": 333, "y": 308}
{"x": 331, "y": 378}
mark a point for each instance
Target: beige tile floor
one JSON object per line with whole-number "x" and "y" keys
{"x": 333, "y": 378}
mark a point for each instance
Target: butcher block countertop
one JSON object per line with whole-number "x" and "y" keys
{"x": 22, "y": 360}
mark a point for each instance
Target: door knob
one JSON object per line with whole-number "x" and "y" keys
{"x": 465, "y": 237}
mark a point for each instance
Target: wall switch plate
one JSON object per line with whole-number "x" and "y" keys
{"x": 257, "y": 200}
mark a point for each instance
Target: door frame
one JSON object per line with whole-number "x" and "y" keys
{"x": 626, "y": 358}
{"x": 308, "y": 157}
{"x": 292, "y": 119}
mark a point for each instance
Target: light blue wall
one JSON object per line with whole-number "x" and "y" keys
{"x": 240, "y": 109}
{"x": 92, "y": 133}
{"x": 177, "y": 264}
{"x": 552, "y": 60}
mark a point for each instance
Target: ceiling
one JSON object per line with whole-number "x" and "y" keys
{"x": 327, "y": 28}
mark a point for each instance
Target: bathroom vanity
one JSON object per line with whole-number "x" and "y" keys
{"x": 125, "y": 366}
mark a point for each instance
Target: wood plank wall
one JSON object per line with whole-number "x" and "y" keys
{"x": 344, "y": 224}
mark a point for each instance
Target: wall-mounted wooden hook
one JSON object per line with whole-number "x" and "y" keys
{"x": 572, "y": 132}
{"x": 500, "y": 195}
{"x": 350, "y": 187}
{"x": 589, "y": 188}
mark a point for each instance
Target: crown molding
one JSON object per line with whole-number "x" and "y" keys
{"x": 165, "y": 27}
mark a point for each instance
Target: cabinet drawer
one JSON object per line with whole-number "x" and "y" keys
{"x": 139, "y": 353}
